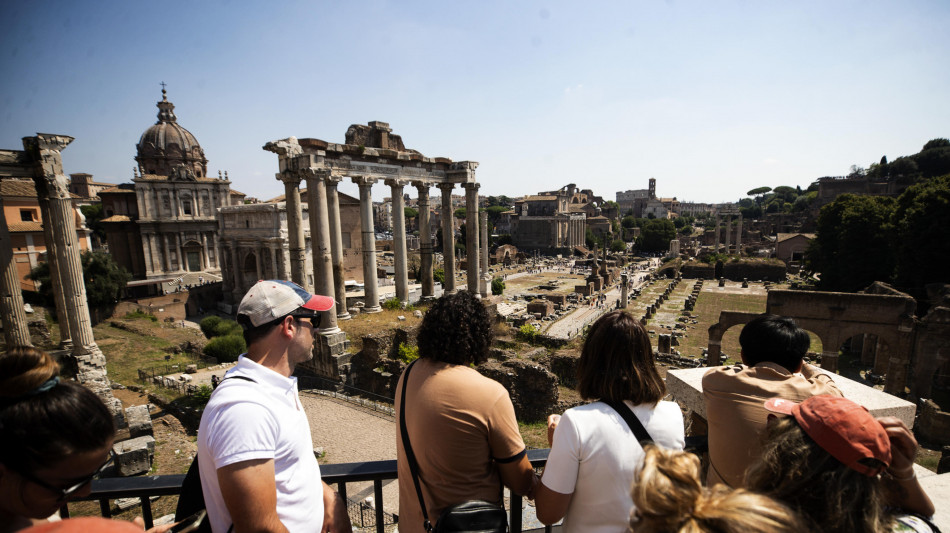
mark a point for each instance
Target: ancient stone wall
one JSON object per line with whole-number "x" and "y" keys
{"x": 755, "y": 270}
{"x": 698, "y": 270}
{"x": 933, "y": 424}
{"x": 532, "y": 387}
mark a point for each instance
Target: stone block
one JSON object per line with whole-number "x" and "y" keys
{"x": 134, "y": 456}
{"x": 191, "y": 369}
{"x": 139, "y": 420}
{"x": 686, "y": 387}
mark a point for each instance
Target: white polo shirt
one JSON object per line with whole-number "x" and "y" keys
{"x": 262, "y": 419}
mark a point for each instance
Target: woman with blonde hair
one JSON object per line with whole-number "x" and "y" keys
{"x": 595, "y": 451}
{"x": 669, "y": 497}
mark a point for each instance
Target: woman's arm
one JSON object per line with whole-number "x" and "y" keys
{"x": 905, "y": 492}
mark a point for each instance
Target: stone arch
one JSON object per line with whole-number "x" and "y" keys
{"x": 727, "y": 319}
{"x": 249, "y": 268}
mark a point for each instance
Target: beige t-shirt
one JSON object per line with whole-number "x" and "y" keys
{"x": 459, "y": 423}
{"x": 736, "y": 415}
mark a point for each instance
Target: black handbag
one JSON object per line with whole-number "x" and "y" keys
{"x": 473, "y": 516}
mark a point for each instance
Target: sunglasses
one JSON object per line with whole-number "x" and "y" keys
{"x": 65, "y": 493}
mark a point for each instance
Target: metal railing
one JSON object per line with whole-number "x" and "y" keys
{"x": 377, "y": 472}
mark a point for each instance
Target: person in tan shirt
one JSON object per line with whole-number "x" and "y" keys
{"x": 773, "y": 348}
{"x": 461, "y": 425}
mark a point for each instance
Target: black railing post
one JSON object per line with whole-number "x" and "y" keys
{"x": 146, "y": 511}
{"x": 104, "y": 508}
{"x": 378, "y": 503}
{"x": 514, "y": 513}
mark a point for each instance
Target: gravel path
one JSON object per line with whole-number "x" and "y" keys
{"x": 349, "y": 434}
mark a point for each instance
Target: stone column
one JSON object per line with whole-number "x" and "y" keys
{"x": 295, "y": 227}
{"x": 471, "y": 235}
{"x": 237, "y": 292}
{"x": 728, "y": 233}
{"x": 739, "y": 235}
{"x": 399, "y": 239}
{"x": 176, "y": 204}
{"x": 258, "y": 261}
{"x": 227, "y": 282}
{"x": 483, "y": 255}
{"x": 217, "y": 252}
{"x": 425, "y": 241}
{"x": 181, "y": 260}
{"x": 274, "y": 250}
{"x": 623, "y": 290}
{"x": 15, "y": 330}
{"x": 716, "y": 238}
{"x": 320, "y": 244}
{"x": 147, "y": 239}
{"x": 448, "y": 239}
{"x": 56, "y": 274}
{"x": 829, "y": 361}
{"x": 370, "y": 288}
{"x": 52, "y": 183}
{"x": 336, "y": 247}
{"x": 204, "y": 252}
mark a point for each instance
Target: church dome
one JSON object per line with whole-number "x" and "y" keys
{"x": 166, "y": 145}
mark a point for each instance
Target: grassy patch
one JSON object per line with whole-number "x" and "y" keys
{"x": 535, "y": 434}
{"x": 365, "y": 324}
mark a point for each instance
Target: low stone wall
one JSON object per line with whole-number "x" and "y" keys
{"x": 697, "y": 270}
{"x": 757, "y": 270}
{"x": 933, "y": 425}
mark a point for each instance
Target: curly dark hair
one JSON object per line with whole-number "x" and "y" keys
{"x": 456, "y": 330}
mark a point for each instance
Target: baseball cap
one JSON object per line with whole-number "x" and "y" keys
{"x": 842, "y": 428}
{"x": 271, "y": 299}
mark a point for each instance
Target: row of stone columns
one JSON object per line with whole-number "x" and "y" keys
{"x": 728, "y": 234}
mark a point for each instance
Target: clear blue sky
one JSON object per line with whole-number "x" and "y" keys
{"x": 710, "y": 98}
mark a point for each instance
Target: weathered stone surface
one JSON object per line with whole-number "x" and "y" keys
{"x": 933, "y": 424}
{"x": 139, "y": 420}
{"x": 564, "y": 365}
{"x": 134, "y": 456}
{"x": 532, "y": 387}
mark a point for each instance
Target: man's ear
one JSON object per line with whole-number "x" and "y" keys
{"x": 288, "y": 327}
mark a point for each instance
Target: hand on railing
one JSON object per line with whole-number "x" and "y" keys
{"x": 139, "y": 521}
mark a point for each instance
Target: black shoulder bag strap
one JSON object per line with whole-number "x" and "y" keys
{"x": 411, "y": 457}
{"x": 191, "y": 498}
{"x": 639, "y": 431}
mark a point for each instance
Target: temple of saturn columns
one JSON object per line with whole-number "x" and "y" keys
{"x": 42, "y": 161}
{"x": 371, "y": 154}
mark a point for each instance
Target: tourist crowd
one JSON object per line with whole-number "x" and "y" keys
{"x": 786, "y": 451}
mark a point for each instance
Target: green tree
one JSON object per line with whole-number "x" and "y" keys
{"x": 103, "y": 277}
{"x": 93, "y": 214}
{"x": 618, "y": 246}
{"x": 851, "y": 248}
{"x": 921, "y": 221}
{"x": 629, "y": 222}
{"x": 758, "y": 190}
{"x": 494, "y": 212}
{"x": 225, "y": 349}
{"x": 656, "y": 234}
{"x": 460, "y": 213}
{"x": 410, "y": 213}
{"x": 497, "y": 286}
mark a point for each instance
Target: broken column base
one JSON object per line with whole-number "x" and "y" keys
{"x": 134, "y": 456}
{"x": 139, "y": 420}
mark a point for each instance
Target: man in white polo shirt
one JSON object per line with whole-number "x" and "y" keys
{"x": 255, "y": 451}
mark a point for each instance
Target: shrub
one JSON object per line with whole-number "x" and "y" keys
{"x": 408, "y": 353}
{"x": 528, "y": 333}
{"x": 226, "y": 328}
{"x": 225, "y": 349}
{"x": 208, "y": 324}
{"x": 438, "y": 275}
{"x": 202, "y": 395}
{"x": 497, "y": 286}
{"x": 138, "y": 313}
{"x": 393, "y": 304}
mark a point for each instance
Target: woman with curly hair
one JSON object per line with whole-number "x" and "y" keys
{"x": 461, "y": 425}
{"x": 55, "y": 437}
{"x": 594, "y": 453}
{"x": 669, "y": 498}
{"x": 843, "y": 470}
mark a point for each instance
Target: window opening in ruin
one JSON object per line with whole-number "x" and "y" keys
{"x": 186, "y": 205}
{"x": 27, "y": 215}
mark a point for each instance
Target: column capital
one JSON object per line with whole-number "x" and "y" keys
{"x": 471, "y": 186}
{"x": 364, "y": 181}
{"x": 446, "y": 187}
{"x": 289, "y": 177}
{"x": 311, "y": 173}
{"x": 396, "y": 182}
{"x": 333, "y": 181}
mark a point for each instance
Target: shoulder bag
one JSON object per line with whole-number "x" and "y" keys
{"x": 473, "y": 516}
{"x": 636, "y": 426}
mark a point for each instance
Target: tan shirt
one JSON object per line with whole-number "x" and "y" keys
{"x": 459, "y": 422}
{"x": 734, "y": 396}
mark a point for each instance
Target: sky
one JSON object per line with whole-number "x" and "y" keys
{"x": 710, "y": 98}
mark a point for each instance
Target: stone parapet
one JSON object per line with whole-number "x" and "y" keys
{"x": 686, "y": 387}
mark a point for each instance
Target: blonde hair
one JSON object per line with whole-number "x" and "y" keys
{"x": 670, "y": 498}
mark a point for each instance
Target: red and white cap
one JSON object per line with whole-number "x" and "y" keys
{"x": 271, "y": 299}
{"x": 842, "y": 428}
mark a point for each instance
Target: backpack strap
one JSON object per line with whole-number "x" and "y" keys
{"x": 636, "y": 426}
{"x": 407, "y": 447}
